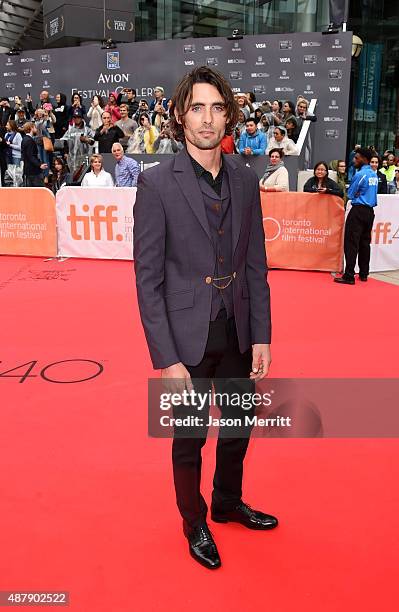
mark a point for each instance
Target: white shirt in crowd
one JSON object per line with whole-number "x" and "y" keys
{"x": 102, "y": 179}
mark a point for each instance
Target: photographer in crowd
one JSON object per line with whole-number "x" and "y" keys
{"x": 107, "y": 133}
{"x": 165, "y": 143}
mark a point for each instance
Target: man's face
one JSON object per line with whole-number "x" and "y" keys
{"x": 250, "y": 127}
{"x": 106, "y": 118}
{"x": 117, "y": 151}
{"x": 205, "y": 121}
{"x": 78, "y": 122}
{"x": 123, "y": 111}
{"x": 130, "y": 95}
{"x": 391, "y": 160}
{"x": 43, "y": 95}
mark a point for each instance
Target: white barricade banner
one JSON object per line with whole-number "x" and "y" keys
{"x": 95, "y": 222}
{"x": 385, "y": 235}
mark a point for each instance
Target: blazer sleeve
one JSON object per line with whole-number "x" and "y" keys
{"x": 256, "y": 274}
{"x": 149, "y": 255}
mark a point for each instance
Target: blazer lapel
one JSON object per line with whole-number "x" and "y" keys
{"x": 188, "y": 183}
{"x": 236, "y": 195}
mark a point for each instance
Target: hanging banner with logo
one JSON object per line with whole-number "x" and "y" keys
{"x": 304, "y": 231}
{"x": 27, "y": 222}
{"x": 385, "y": 235}
{"x": 95, "y": 223}
{"x": 368, "y": 86}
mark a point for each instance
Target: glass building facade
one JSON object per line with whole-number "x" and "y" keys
{"x": 376, "y": 22}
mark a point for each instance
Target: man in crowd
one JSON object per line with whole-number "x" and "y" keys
{"x": 107, "y": 133}
{"x": 126, "y": 124}
{"x": 359, "y": 223}
{"x": 80, "y": 141}
{"x": 389, "y": 171}
{"x": 159, "y": 98}
{"x": 130, "y": 99}
{"x": 33, "y": 167}
{"x": 193, "y": 289}
{"x": 252, "y": 140}
{"x": 5, "y": 111}
{"x": 127, "y": 169}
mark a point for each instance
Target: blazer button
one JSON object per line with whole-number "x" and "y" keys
{"x": 234, "y": 274}
{"x": 208, "y": 280}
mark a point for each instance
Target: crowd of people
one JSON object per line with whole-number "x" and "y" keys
{"x": 55, "y": 139}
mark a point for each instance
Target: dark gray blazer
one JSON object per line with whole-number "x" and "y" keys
{"x": 174, "y": 258}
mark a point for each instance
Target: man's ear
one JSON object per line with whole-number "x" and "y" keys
{"x": 176, "y": 114}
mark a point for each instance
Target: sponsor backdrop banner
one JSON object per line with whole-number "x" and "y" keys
{"x": 385, "y": 235}
{"x": 277, "y": 66}
{"x": 95, "y": 223}
{"x": 27, "y": 222}
{"x": 304, "y": 231}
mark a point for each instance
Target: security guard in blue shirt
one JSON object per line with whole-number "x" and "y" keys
{"x": 359, "y": 223}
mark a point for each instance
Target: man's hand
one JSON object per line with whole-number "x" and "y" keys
{"x": 261, "y": 360}
{"x": 177, "y": 378}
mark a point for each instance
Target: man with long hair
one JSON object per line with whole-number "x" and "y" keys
{"x": 199, "y": 251}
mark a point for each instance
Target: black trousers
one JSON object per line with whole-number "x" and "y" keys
{"x": 359, "y": 224}
{"x": 222, "y": 361}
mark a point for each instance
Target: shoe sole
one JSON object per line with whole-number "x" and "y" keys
{"x": 224, "y": 520}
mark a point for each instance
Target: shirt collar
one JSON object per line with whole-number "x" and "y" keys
{"x": 200, "y": 170}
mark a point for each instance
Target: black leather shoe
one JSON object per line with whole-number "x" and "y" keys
{"x": 202, "y": 547}
{"x": 344, "y": 281}
{"x": 363, "y": 279}
{"x": 244, "y": 514}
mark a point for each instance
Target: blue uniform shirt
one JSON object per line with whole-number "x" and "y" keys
{"x": 364, "y": 187}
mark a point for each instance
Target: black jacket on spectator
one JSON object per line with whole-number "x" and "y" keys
{"x": 332, "y": 187}
{"x": 105, "y": 141}
{"x": 382, "y": 183}
{"x": 30, "y": 157}
{"x": 61, "y": 113}
{"x": 5, "y": 114}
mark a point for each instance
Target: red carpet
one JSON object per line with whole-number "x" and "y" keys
{"x": 87, "y": 499}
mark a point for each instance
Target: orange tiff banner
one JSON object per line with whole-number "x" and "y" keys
{"x": 304, "y": 231}
{"x": 27, "y": 221}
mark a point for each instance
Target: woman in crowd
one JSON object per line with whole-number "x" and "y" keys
{"x": 320, "y": 182}
{"x": 49, "y": 115}
{"x": 61, "y": 176}
{"x": 280, "y": 140}
{"x": 113, "y": 108}
{"x": 292, "y": 129}
{"x": 61, "y": 115}
{"x": 375, "y": 164}
{"x": 76, "y": 102}
{"x": 107, "y": 134}
{"x": 144, "y": 137}
{"x": 302, "y": 106}
{"x": 393, "y": 186}
{"x": 243, "y": 115}
{"x": 264, "y": 124}
{"x": 97, "y": 177}
{"x": 13, "y": 140}
{"x": 339, "y": 166}
{"x": 275, "y": 177}
{"x": 277, "y": 106}
{"x": 41, "y": 121}
{"x": 288, "y": 111}
{"x": 95, "y": 112}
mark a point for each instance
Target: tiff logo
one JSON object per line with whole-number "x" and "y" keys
{"x": 96, "y": 221}
{"x": 381, "y": 234}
